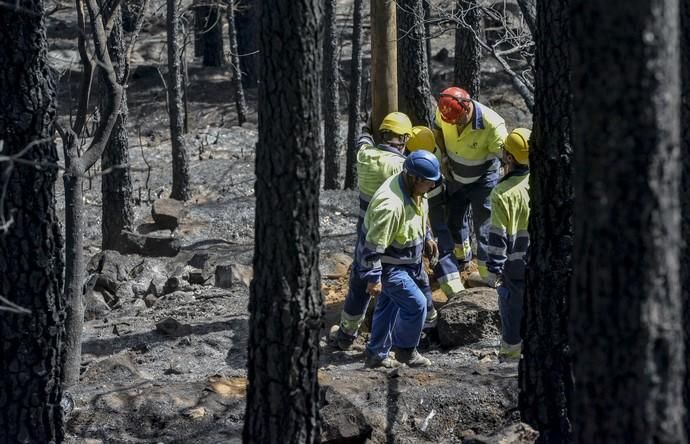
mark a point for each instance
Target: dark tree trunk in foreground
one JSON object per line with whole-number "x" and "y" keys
{"x": 286, "y": 303}
{"x": 245, "y": 21}
{"x": 240, "y": 101}
{"x": 467, "y": 48}
{"x": 180, "y": 157}
{"x": 626, "y": 310}
{"x": 685, "y": 193}
{"x": 546, "y": 383}
{"x": 212, "y": 37}
{"x": 414, "y": 92}
{"x": 355, "y": 99}
{"x": 331, "y": 82}
{"x": 116, "y": 185}
{"x": 30, "y": 244}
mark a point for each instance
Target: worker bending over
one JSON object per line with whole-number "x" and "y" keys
{"x": 471, "y": 136}
{"x": 396, "y": 234}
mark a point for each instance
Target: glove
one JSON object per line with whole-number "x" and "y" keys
{"x": 493, "y": 280}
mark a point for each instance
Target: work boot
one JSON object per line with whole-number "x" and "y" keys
{"x": 431, "y": 319}
{"x": 341, "y": 340}
{"x": 412, "y": 357}
{"x": 376, "y": 362}
{"x": 510, "y": 352}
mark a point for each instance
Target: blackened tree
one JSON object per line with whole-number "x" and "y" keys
{"x": 116, "y": 185}
{"x": 626, "y": 308}
{"x": 685, "y": 192}
{"x": 212, "y": 33}
{"x": 355, "y": 96}
{"x": 331, "y": 82}
{"x": 240, "y": 101}
{"x": 286, "y": 303}
{"x": 468, "y": 48}
{"x": 546, "y": 383}
{"x": 414, "y": 91}
{"x": 31, "y": 263}
{"x": 245, "y": 21}
{"x": 180, "y": 157}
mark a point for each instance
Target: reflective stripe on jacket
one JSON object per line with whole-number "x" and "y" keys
{"x": 395, "y": 228}
{"x": 508, "y": 235}
{"x": 474, "y": 151}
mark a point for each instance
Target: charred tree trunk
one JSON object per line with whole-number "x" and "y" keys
{"x": 180, "y": 157}
{"x": 414, "y": 92}
{"x": 245, "y": 23}
{"x": 240, "y": 101}
{"x": 467, "y": 48}
{"x": 529, "y": 12}
{"x": 212, "y": 37}
{"x": 355, "y": 99}
{"x": 286, "y": 303}
{"x": 199, "y": 27}
{"x": 331, "y": 82}
{"x": 427, "y": 32}
{"x": 116, "y": 185}
{"x": 685, "y": 193}
{"x": 546, "y": 383}
{"x": 30, "y": 242}
{"x": 626, "y": 311}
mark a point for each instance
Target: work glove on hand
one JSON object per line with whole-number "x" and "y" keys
{"x": 493, "y": 280}
{"x": 431, "y": 251}
{"x": 374, "y": 288}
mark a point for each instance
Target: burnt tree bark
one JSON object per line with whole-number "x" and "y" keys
{"x": 414, "y": 91}
{"x": 180, "y": 157}
{"x": 529, "y": 12}
{"x": 116, "y": 185}
{"x": 212, "y": 34}
{"x": 427, "y": 32}
{"x": 245, "y": 22}
{"x": 331, "y": 82}
{"x": 355, "y": 96}
{"x": 685, "y": 193}
{"x": 545, "y": 378}
{"x": 240, "y": 101}
{"x": 626, "y": 310}
{"x": 286, "y": 303}
{"x": 30, "y": 241}
{"x": 467, "y": 48}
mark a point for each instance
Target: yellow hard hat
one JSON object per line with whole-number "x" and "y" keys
{"x": 397, "y": 123}
{"x": 422, "y": 139}
{"x": 517, "y": 144}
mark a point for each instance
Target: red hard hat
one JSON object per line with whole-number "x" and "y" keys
{"x": 454, "y": 104}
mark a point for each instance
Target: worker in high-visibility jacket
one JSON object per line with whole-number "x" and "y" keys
{"x": 509, "y": 240}
{"x": 375, "y": 164}
{"x": 471, "y": 136}
{"x": 396, "y": 234}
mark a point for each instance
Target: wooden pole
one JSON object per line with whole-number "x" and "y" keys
{"x": 384, "y": 61}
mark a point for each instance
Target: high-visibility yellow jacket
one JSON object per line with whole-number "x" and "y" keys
{"x": 508, "y": 235}
{"x": 395, "y": 228}
{"x": 375, "y": 164}
{"x": 475, "y": 150}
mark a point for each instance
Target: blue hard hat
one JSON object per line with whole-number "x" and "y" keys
{"x": 424, "y": 165}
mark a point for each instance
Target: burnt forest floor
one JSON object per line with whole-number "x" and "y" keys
{"x": 143, "y": 383}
